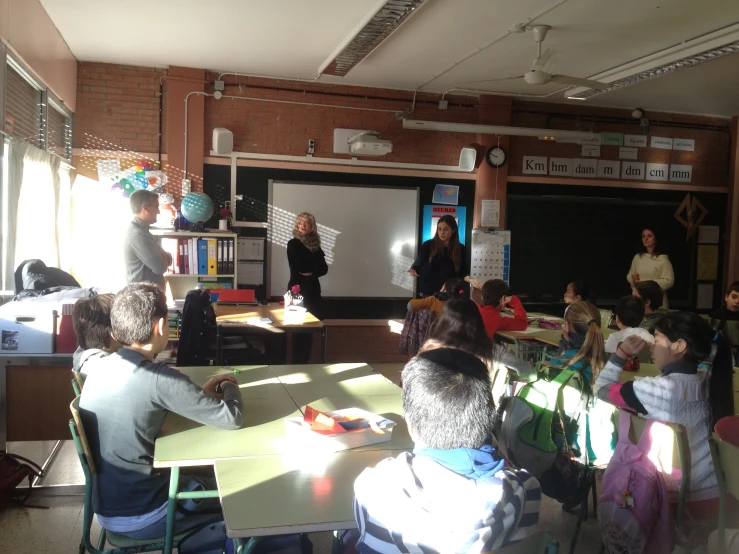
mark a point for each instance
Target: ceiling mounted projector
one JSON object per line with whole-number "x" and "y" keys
{"x": 369, "y": 143}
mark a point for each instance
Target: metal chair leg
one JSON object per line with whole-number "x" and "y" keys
{"x": 101, "y": 539}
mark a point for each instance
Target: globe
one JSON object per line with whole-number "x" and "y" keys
{"x": 197, "y": 206}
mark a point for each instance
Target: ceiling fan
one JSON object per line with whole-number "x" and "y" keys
{"x": 537, "y": 75}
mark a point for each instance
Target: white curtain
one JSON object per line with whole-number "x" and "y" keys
{"x": 11, "y": 195}
{"x": 36, "y": 229}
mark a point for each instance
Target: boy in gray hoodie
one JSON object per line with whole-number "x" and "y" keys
{"x": 91, "y": 323}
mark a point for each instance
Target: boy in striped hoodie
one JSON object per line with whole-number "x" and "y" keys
{"x": 452, "y": 493}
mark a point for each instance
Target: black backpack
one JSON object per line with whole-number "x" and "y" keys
{"x": 198, "y": 324}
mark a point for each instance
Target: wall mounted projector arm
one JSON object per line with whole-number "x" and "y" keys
{"x": 537, "y": 76}
{"x": 369, "y": 143}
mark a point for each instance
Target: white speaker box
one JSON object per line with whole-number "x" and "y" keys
{"x": 223, "y": 141}
{"x": 467, "y": 159}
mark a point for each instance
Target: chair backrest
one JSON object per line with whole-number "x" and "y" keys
{"x": 78, "y": 381}
{"x": 75, "y": 409}
{"x": 728, "y": 464}
{"x": 669, "y": 452}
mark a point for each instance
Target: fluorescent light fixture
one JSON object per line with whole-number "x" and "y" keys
{"x": 550, "y": 134}
{"x": 371, "y": 32}
{"x": 686, "y": 54}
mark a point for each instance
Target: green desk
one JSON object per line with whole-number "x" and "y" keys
{"x": 323, "y": 373}
{"x": 254, "y": 381}
{"x": 279, "y": 495}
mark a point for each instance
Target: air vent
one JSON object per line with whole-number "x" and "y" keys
{"x": 382, "y": 25}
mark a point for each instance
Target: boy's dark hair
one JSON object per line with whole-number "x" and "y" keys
{"x": 455, "y": 287}
{"x": 136, "y": 309}
{"x": 733, "y": 287}
{"x": 493, "y": 291}
{"x": 140, "y": 197}
{"x": 447, "y": 400}
{"x": 650, "y": 290}
{"x": 630, "y": 310}
{"x": 91, "y": 321}
{"x": 700, "y": 338}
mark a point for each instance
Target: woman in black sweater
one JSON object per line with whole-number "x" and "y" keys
{"x": 307, "y": 262}
{"x": 440, "y": 259}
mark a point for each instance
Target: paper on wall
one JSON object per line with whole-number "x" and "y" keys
{"x": 250, "y": 273}
{"x": 490, "y": 213}
{"x": 708, "y": 234}
{"x": 705, "y": 296}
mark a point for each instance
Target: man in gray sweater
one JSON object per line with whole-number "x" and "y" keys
{"x": 145, "y": 259}
{"x": 123, "y": 405}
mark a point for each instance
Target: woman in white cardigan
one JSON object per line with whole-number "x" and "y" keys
{"x": 682, "y": 394}
{"x": 651, "y": 264}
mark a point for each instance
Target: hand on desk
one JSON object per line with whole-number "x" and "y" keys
{"x": 214, "y": 385}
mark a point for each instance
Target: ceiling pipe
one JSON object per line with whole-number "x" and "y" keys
{"x": 493, "y": 129}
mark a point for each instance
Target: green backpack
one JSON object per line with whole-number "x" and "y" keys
{"x": 526, "y": 428}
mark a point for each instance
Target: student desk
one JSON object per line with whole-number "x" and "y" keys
{"x": 550, "y": 336}
{"x": 272, "y": 394}
{"x": 234, "y": 318}
{"x": 292, "y": 494}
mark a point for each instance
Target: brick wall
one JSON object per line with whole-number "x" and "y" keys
{"x": 117, "y": 107}
{"x": 267, "y": 127}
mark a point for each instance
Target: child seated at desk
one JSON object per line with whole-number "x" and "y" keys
{"x": 629, "y": 315}
{"x": 497, "y": 297}
{"x": 726, "y": 319}
{"x": 652, "y": 296}
{"x": 576, "y": 291}
{"x": 453, "y": 288}
{"x": 452, "y": 493}
{"x": 682, "y": 394}
{"x": 123, "y": 406}
{"x": 91, "y": 323}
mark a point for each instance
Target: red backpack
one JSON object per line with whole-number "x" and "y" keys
{"x": 13, "y": 470}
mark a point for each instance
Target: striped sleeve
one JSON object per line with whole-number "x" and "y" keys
{"x": 609, "y": 388}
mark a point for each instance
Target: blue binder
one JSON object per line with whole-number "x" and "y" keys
{"x": 202, "y": 257}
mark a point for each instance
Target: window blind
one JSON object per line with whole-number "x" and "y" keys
{"x": 58, "y": 139}
{"x": 22, "y": 108}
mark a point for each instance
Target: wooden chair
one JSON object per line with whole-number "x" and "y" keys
{"x": 122, "y": 544}
{"x": 726, "y": 464}
{"x": 78, "y": 381}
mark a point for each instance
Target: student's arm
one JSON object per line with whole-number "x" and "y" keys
{"x": 148, "y": 250}
{"x": 421, "y": 304}
{"x": 518, "y": 322}
{"x": 609, "y": 388}
{"x": 178, "y": 394}
{"x": 666, "y": 276}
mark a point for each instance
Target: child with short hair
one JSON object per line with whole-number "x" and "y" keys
{"x": 91, "y": 323}
{"x": 453, "y": 288}
{"x": 453, "y": 493}
{"x": 726, "y": 319}
{"x": 652, "y": 295}
{"x": 496, "y": 297}
{"x": 629, "y": 315}
{"x": 682, "y": 394}
{"x": 123, "y": 406}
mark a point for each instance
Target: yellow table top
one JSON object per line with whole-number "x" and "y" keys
{"x": 271, "y": 395}
{"x": 238, "y": 316}
{"x": 319, "y": 489}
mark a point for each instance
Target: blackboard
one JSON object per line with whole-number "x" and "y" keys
{"x": 560, "y": 233}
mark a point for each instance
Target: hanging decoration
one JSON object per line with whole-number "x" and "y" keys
{"x": 694, "y": 214}
{"x": 141, "y": 176}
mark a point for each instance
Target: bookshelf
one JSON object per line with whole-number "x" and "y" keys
{"x": 178, "y": 284}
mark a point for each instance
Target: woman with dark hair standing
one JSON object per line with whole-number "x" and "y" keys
{"x": 651, "y": 264}
{"x": 440, "y": 259}
{"x": 307, "y": 262}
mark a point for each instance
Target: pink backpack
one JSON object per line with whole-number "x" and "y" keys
{"x": 634, "y": 512}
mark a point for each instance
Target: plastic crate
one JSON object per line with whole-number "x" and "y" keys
{"x": 533, "y": 350}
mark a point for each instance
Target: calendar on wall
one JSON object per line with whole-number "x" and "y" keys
{"x": 491, "y": 255}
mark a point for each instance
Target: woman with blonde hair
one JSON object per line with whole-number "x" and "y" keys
{"x": 307, "y": 262}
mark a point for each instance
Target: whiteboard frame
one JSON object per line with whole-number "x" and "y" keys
{"x": 268, "y": 247}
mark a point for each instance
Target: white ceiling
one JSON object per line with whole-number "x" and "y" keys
{"x": 445, "y": 44}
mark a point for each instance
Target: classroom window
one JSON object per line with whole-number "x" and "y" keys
{"x": 58, "y": 131}
{"x": 23, "y": 106}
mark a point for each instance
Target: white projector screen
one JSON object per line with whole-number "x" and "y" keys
{"x": 369, "y": 236}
